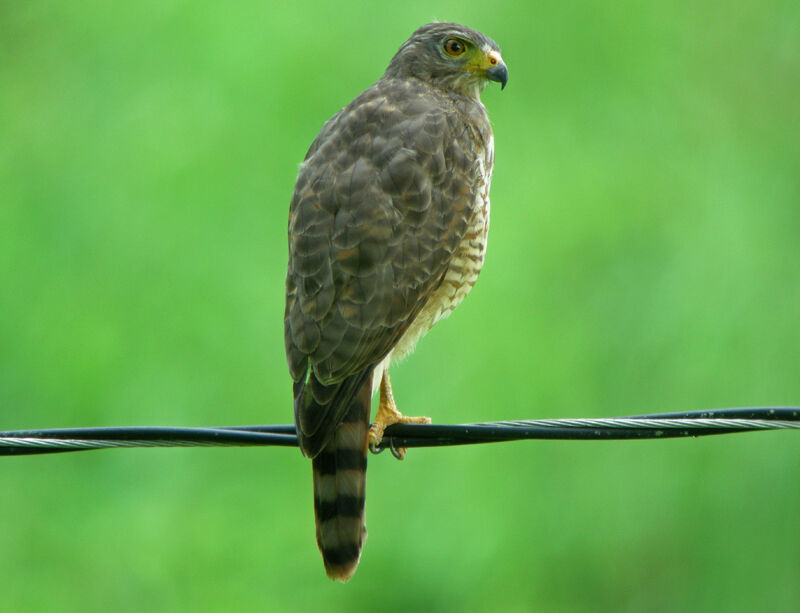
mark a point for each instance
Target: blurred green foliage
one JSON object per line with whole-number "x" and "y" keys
{"x": 643, "y": 257}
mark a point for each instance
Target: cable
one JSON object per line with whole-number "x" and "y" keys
{"x": 663, "y": 425}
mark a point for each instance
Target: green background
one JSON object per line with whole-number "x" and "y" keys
{"x": 643, "y": 257}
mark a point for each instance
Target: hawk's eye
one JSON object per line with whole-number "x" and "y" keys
{"x": 454, "y": 47}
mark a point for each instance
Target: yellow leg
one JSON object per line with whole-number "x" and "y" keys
{"x": 388, "y": 415}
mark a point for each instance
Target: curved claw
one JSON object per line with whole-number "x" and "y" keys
{"x": 400, "y": 453}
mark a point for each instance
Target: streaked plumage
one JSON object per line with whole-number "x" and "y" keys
{"x": 387, "y": 234}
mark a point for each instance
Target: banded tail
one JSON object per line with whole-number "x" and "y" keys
{"x": 340, "y": 477}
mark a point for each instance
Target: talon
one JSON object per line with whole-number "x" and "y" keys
{"x": 388, "y": 415}
{"x": 398, "y": 452}
{"x": 376, "y": 449}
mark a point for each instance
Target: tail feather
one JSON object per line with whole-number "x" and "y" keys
{"x": 340, "y": 476}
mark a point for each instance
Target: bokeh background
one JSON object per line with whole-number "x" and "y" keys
{"x": 644, "y": 256}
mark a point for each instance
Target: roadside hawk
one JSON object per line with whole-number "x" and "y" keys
{"x": 387, "y": 234}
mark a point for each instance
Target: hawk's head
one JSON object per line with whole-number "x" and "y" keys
{"x": 449, "y": 56}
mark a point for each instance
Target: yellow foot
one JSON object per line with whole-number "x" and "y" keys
{"x": 388, "y": 415}
{"x": 379, "y": 425}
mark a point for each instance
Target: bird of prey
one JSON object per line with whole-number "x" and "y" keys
{"x": 387, "y": 234}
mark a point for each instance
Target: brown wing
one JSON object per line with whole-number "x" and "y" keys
{"x": 381, "y": 203}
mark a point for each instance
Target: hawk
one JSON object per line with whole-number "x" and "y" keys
{"x": 387, "y": 234}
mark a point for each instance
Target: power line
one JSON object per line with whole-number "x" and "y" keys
{"x": 662, "y": 425}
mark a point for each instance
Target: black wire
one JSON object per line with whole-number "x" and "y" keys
{"x": 281, "y": 436}
{"x": 761, "y": 413}
{"x": 415, "y": 435}
{"x": 402, "y": 435}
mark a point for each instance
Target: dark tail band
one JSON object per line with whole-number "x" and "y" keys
{"x": 340, "y": 475}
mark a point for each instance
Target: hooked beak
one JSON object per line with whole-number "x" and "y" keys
{"x": 498, "y": 73}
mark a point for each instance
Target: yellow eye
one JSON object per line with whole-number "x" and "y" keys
{"x": 454, "y": 47}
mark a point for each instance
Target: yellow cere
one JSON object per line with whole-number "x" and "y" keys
{"x": 486, "y": 59}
